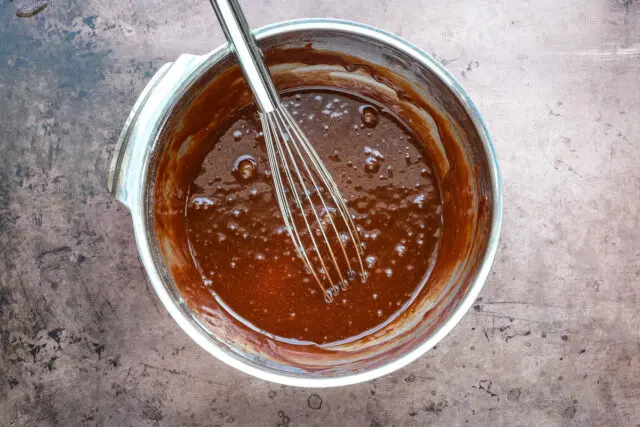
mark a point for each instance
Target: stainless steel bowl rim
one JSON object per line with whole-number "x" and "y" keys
{"x": 130, "y": 164}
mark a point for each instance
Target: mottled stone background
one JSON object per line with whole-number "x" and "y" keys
{"x": 554, "y": 338}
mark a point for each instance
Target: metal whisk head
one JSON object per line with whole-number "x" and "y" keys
{"x": 314, "y": 212}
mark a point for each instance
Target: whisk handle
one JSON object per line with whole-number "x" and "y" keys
{"x": 238, "y": 33}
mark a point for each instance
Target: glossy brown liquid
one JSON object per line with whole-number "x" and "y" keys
{"x": 239, "y": 243}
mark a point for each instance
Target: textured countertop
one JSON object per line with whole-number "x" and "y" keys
{"x": 554, "y": 338}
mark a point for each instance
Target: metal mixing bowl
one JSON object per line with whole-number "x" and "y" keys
{"x": 132, "y": 173}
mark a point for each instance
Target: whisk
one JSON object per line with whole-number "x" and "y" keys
{"x": 314, "y": 212}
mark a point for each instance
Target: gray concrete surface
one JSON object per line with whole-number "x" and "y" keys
{"x": 554, "y": 338}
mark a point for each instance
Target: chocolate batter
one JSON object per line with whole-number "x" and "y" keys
{"x": 400, "y": 160}
{"x": 244, "y": 253}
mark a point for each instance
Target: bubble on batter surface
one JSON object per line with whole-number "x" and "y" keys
{"x": 370, "y": 261}
{"x": 245, "y": 168}
{"x": 369, "y": 116}
{"x": 201, "y": 203}
{"x": 372, "y": 165}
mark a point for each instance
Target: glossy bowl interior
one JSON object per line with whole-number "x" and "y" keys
{"x": 431, "y": 93}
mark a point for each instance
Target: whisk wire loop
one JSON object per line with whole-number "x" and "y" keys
{"x": 299, "y": 175}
